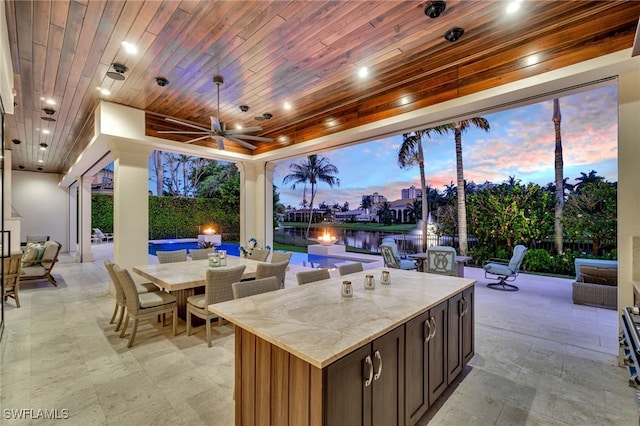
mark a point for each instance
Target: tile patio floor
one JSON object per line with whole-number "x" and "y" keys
{"x": 540, "y": 360}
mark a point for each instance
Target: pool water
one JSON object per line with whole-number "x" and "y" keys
{"x": 303, "y": 259}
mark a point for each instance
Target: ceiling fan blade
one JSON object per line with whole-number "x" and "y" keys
{"x": 247, "y": 129}
{"x": 197, "y": 139}
{"x": 215, "y": 125}
{"x": 177, "y": 132}
{"x": 254, "y": 138}
{"x": 243, "y": 143}
{"x": 186, "y": 124}
{"x": 220, "y": 141}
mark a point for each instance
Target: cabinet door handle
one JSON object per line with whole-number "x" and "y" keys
{"x": 427, "y": 331}
{"x": 464, "y": 306}
{"x": 379, "y": 358}
{"x": 367, "y": 361}
{"x": 461, "y": 307}
{"x": 433, "y": 328}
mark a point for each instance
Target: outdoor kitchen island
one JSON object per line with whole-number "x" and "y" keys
{"x": 308, "y": 356}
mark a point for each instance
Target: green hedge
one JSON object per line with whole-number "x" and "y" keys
{"x": 173, "y": 217}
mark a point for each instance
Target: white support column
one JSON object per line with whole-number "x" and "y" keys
{"x": 268, "y": 202}
{"x": 628, "y": 178}
{"x": 253, "y": 211}
{"x": 130, "y": 202}
{"x": 84, "y": 253}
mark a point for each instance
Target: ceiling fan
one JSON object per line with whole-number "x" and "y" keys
{"x": 218, "y": 130}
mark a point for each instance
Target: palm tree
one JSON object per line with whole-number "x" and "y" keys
{"x": 459, "y": 127}
{"x": 384, "y": 212}
{"x": 366, "y": 203}
{"x": 559, "y": 208}
{"x": 409, "y": 154}
{"x": 414, "y": 210}
{"x": 313, "y": 170}
{"x": 592, "y": 177}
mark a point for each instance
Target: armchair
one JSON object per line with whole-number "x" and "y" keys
{"x": 37, "y": 264}
{"x": 392, "y": 258}
{"x": 505, "y": 271}
{"x": 441, "y": 260}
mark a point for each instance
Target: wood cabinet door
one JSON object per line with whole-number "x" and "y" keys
{"x": 438, "y": 352}
{"x": 468, "y": 332}
{"x": 388, "y": 383}
{"x": 416, "y": 371}
{"x": 454, "y": 337}
{"x": 347, "y": 400}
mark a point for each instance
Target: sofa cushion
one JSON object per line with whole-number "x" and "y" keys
{"x": 32, "y": 254}
{"x": 595, "y": 275}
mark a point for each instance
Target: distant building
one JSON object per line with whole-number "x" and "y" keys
{"x": 377, "y": 198}
{"x": 410, "y": 193}
{"x": 102, "y": 182}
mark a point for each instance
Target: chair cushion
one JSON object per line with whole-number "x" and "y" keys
{"x": 50, "y": 250}
{"x": 197, "y": 300}
{"x": 498, "y": 269}
{"x": 408, "y": 264}
{"x": 33, "y": 271}
{"x": 146, "y": 288}
{"x": 33, "y": 254}
{"x": 595, "y": 275}
{"x": 155, "y": 298}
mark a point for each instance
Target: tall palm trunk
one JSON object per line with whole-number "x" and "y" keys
{"x": 462, "y": 205}
{"x": 425, "y": 205}
{"x": 159, "y": 173}
{"x": 313, "y": 195}
{"x": 559, "y": 207}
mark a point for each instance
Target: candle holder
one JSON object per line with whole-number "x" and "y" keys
{"x": 347, "y": 290}
{"x": 214, "y": 260}
{"x": 385, "y": 278}
{"x": 369, "y": 282}
{"x": 223, "y": 257}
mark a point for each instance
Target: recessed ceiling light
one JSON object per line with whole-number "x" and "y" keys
{"x": 40, "y": 161}
{"x": 39, "y": 169}
{"x": 434, "y": 8}
{"x": 454, "y": 34}
{"x": 283, "y": 139}
{"x": 513, "y": 7}
{"x": 16, "y": 141}
{"x": 46, "y": 131}
{"x": 239, "y": 126}
{"x": 130, "y": 48}
{"x": 103, "y": 91}
{"x": 287, "y": 106}
{"x": 50, "y": 102}
{"x": 43, "y": 146}
{"x": 21, "y": 167}
{"x": 363, "y": 72}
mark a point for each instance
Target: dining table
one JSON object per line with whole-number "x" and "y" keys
{"x": 184, "y": 279}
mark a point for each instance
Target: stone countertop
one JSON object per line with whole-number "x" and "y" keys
{"x": 315, "y": 323}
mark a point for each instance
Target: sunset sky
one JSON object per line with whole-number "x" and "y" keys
{"x": 520, "y": 143}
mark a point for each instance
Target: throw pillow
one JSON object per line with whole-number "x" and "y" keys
{"x": 32, "y": 254}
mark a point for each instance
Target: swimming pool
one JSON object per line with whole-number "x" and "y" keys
{"x": 303, "y": 259}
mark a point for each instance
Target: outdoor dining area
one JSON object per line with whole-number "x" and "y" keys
{"x": 537, "y": 357}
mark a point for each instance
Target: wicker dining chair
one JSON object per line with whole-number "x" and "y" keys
{"x": 121, "y": 302}
{"x": 306, "y": 277}
{"x": 217, "y": 289}
{"x": 172, "y": 256}
{"x": 278, "y": 256}
{"x": 277, "y": 270}
{"x": 145, "y": 305}
{"x": 260, "y": 255}
{"x": 249, "y": 288}
{"x": 199, "y": 254}
{"x": 350, "y": 268}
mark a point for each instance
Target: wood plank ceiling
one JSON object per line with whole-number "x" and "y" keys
{"x": 307, "y": 53}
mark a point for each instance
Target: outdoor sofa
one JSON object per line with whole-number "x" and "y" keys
{"x": 596, "y": 286}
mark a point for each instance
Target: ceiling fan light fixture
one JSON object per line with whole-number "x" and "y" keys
{"x": 43, "y": 146}
{"x": 16, "y": 141}
{"x": 453, "y": 34}
{"x": 118, "y": 71}
{"x": 433, "y": 9}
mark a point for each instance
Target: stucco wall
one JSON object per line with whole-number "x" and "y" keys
{"x": 42, "y": 204}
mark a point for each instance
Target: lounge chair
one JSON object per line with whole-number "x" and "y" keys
{"x": 505, "y": 271}
{"x": 36, "y": 267}
{"x": 100, "y": 236}
{"x": 442, "y": 260}
{"x": 392, "y": 258}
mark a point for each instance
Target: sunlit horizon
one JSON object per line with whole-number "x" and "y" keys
{"x": 520, "y": 144}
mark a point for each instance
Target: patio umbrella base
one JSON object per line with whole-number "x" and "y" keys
{"x": 502, "y": 286}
